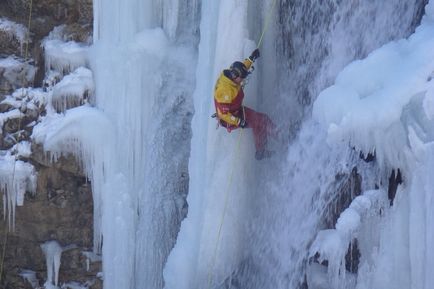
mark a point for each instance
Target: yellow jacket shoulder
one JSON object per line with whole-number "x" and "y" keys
{"x": 225, "y": 90}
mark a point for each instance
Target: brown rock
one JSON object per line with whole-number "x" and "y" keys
{"x": 62, "y": 208}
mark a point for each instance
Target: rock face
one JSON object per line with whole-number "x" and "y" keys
{"x": 62, "y": 208}
{"x": 44, "y": 16}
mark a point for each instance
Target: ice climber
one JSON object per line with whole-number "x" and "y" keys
{"x": 228, "y": 99}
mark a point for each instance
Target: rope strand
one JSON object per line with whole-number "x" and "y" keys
{"x": 214, "y": 257}
{"x": 267, "y": 20}
{"x": 224, "y": 212}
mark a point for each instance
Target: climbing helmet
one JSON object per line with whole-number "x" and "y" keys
{"x": 238, "y": 69}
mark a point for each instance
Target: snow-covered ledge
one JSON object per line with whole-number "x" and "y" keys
{"x": 64, "y": 57}
{"x": 14, "y": 30}
{"x": 73, "y": 89}
{"x": 16, "y": 72}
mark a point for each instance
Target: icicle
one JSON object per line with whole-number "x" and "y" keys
{"x": 73, "y": 89}
{"x": 87, "y": 133}
{"x": 64, "y": 57}
{"x": 332, "y": 245}
{"x": 53, "y": 253}
{"x": 16, "y": 177}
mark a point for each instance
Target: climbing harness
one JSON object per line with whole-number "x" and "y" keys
{"x": 26, "y": 53}
{"x": 214, "y": 256}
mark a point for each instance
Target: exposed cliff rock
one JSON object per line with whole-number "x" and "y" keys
{"x": 45, "y": 15}
{"x": 61, "y": 209}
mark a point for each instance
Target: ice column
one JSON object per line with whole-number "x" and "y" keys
{"x": 53, "y": 253}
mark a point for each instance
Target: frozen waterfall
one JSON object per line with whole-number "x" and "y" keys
{"x": 143, "y": 57}
{"x": 276, "y": 207}
{"x": 155, "y": 64}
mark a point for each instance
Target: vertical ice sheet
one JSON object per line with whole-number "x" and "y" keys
{"x": 143, "y": 85}
{"x": 396, "y": 250}
{"x": 181, "y": 267}
{"x": 201, "y": 255}
{"x": 117, "y": 76}
{"x": 399, "y": 254}
{"x": 124, "y": 62}
{"x": 292, "y": 195}
{"x": 314, "y": 42}
{"x": 128, "y": 81}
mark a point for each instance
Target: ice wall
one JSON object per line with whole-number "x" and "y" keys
{"x": 275, "y": 207}
{"x": 291, "y": 196}
{"x": 209, "y": 245}
{"x": 143, "y": 85}
{"x": 144, "y": 68}
{"x": 314, "y": 42}
{"x": 390, "y": 113}
{"x": 125, "y": 69}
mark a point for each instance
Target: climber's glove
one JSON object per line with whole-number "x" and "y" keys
{"x": 255, "y": 55}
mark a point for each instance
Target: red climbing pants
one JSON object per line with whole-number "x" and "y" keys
{"x": 261, "y": 125}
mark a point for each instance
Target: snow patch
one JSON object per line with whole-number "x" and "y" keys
{"x": 331, "y": 245}
{"x": 16, "y": 71}
{"x": 73, "y": 88}
{"x": 22, "y": 149}
{"x": 12, "y": 114}
{"x": 366, "y": 104}
{"x": 14, "y": 30}
{"x": 30, "y": 276}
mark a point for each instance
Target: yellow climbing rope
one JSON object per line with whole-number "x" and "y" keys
{"x": 267, "y": 21}
{"x": 224, "y": 211}
{"x": 214, "y": 256}
{"x": 6, "y": 232}
{"x": 28, "y": 31}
